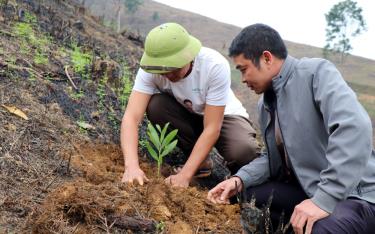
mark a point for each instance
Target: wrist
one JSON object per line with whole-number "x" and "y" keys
{"x": 239, "y": 183}
{"x": 186, "y": 173}
{"x": 131, "y": 165}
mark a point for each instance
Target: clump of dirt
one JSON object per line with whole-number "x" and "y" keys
{"x": 97, "y": 202}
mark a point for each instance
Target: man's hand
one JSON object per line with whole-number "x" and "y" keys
{"x": 134, "y": 174}
{"x": 178, "y": 180}
{"x": 306, "y": 213}
{"x": 223, "y": 191}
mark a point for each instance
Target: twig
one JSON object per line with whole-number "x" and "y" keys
{"x": 109, "y": 108}
{"x": 2, "y": 201}
{"x": 53, "y": 179}
{"x": 28, "y": 63}
{"x": 16, "y": 139}
{"x": 104, "y": 221}
{"x": 7, "y": 33}
{"x": 68, "y": 167}
{"x": 21, "y": 68}
{"x": 197, "y": 231}
{"x": 137, "y": 211}
{"x": 51, "y": 182}
{"x": 286, "y": 227}
{"x": 149, "y": 212}
{"x": 75, "y": 228}
{"x": 70, "y": 79}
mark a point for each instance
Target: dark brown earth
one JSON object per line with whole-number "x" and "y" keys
{"x": 89, "y": 203}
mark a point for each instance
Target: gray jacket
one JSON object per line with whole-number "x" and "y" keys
{"x": 326, "y": 132}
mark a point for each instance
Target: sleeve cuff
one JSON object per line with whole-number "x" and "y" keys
{"x": 324, "y": 201}
{"x": 244, "y": 176}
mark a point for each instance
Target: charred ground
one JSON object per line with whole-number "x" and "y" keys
{"x": 60, "y": 170}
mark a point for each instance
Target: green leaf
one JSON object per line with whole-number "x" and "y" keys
{"x": 154, "y": 141}
{"x": 169, "y": 138}
{"x": 84, "y": 125}
{"x": 163, "y": 132}
{"x": 154, "y": 136}
{"x": 158, "y": 127}
{"x": 169, "y": 148}
{"x": 152, "y": 151}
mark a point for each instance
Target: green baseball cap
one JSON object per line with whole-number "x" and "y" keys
{"x": 168, "y": 47}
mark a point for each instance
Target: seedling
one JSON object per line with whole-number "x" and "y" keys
{"x": 80, "y": 61}
{"x": 162, "y": 144}
{"x": 160, "y": 226}
{"x": 125, "y": 88}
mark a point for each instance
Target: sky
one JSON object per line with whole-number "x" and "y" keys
{"x": 300, "y": 21}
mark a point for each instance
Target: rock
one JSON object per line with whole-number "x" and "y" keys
{"x": 21, "y": 15}
{"x": 54, "y": 107}
{"x": 78, "y": 25}
{"x": 10, "y": 127}
{"x": 9, "y": 11}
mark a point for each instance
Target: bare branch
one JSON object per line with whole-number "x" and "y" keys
{"x": 70, "y": 79}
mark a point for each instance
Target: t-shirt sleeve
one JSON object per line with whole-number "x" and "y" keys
{"x": 219, "y": 85}
{"x": 144, "y": 82}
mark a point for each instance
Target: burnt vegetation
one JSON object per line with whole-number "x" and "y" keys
{"x": 65, "y": 80}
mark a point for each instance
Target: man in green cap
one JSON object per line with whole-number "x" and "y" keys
{"x": 187, "y": 85}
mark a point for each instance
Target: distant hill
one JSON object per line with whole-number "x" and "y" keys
{"x": 358, "y": 72}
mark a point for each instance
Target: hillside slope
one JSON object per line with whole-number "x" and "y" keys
{"x": 64, "y": 84}
{"x": 357, "y": 71}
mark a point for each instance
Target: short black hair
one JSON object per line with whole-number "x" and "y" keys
{"x": 256, "y": 38}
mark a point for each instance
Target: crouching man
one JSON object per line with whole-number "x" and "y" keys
{"x": 319, "y": 161}
{"x": 187, "y": 85}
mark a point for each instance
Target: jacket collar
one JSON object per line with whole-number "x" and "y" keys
{"x": 278, "y": 82}
{"x": 286, "y": 70}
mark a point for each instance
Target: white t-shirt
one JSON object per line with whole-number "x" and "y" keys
{"x": 208, "y": 83}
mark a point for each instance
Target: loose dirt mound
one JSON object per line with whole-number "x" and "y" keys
{"x": 97, "y": 202}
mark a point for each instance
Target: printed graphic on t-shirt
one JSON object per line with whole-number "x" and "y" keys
{"x": 197, "y": 90}
{"x": 188, "y": 105}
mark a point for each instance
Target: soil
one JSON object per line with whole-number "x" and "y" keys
{"x": 89, "y": 202}
{"x": 59, "y": 176}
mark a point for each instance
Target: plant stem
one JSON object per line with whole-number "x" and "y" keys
{"x": 159, "y": 164}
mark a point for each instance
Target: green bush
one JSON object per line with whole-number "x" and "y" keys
{"x": 80, "y": 61}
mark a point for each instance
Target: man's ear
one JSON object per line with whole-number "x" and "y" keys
{"x": 267, "y": 56}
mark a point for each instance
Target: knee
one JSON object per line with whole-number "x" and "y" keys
{"x": 155, "y": 104}
{"x": 340, "y": 221}
{"x": 253, "y": 148}
{"x": 322, "y": 226}
{"x": 245, "y": 151}
{"x": 238, "y": 155}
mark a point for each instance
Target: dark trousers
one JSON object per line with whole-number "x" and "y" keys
{"x": 237, "y": 143}
{"x": 350, "y": 216}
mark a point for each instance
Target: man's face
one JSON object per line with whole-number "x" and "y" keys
{"x": 177, "y": 75}
{"x": 257, "y": 79}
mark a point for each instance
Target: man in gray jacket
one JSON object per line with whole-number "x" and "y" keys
{"x": 319, "y": 161}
